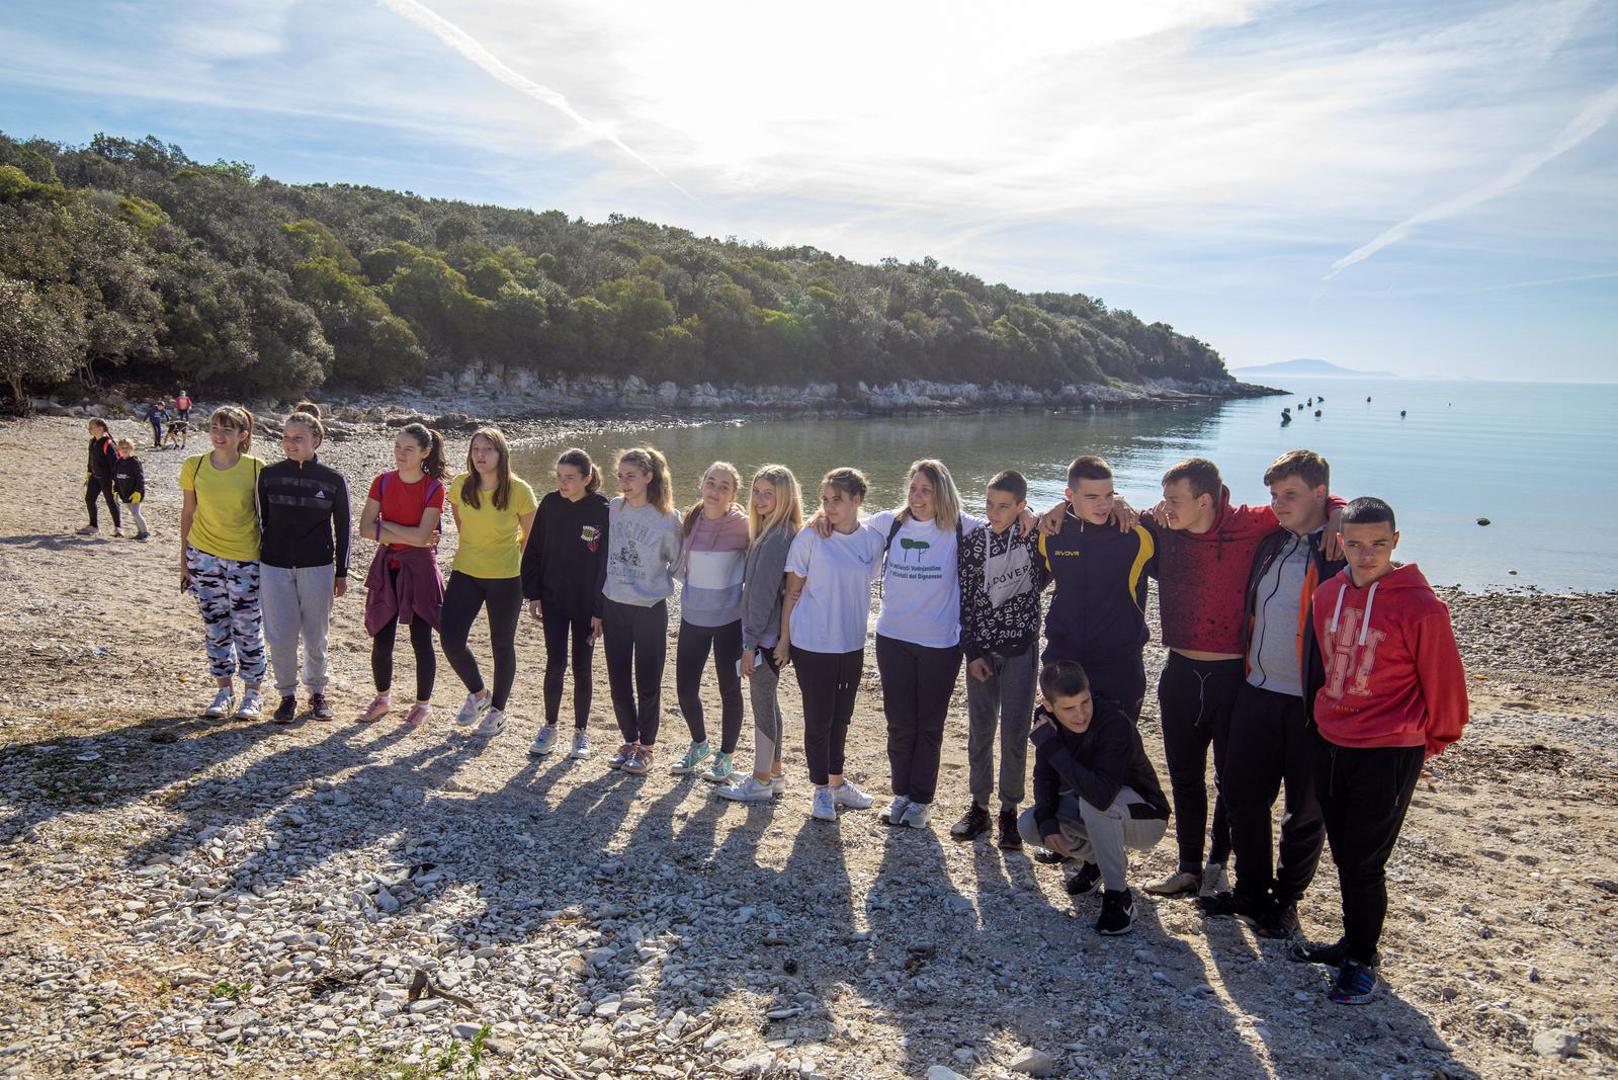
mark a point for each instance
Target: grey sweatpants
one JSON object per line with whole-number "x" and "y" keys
{"x": 1099, "y": 836}
{"x": 1006, "y": 698}
{"x": 297, "y": 604}
{"x": 762, "y": 688}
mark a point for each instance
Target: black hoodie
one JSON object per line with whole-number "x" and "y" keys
{"x": 1094, "y": 765}
{"x": 129, "y": 479}
{"x": 303, "y": 512}
{"x": 103, "y": 456}
{"x": 565, "y": 562}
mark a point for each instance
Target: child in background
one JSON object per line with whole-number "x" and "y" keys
{"x": 713, "y": 556}
{"x": 563, "y": 568}
{"x": 98, "y": 485}
{"x": 645, "y": 551}
{"x": 404, "y": 584}
{"x": 774, "y": 517}
{"x": 1096, "y": 794}
{"x": 129, "y": 481}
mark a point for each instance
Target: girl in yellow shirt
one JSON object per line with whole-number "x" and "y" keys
{"x": 494, "y": 513}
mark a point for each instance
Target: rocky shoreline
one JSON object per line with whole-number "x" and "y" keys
{"x": 189, "y": 898}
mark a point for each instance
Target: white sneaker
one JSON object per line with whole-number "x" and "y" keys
{"x": 748, "y": 790}
{"x": 581, "y": 746}
{"x": 472, "y": 707}
{"x": 252, "y": 705}
{"x": 896, "y": 809}
{"x": 223, "y": 704}
{"x": 494, "y": 722}
{"x": 846, "y": 794}
{"x": 544, "y": 742}
{"x": 823, "y": 807}
{"x": 1213, "y": 879}
{"x": 917, "y": 815}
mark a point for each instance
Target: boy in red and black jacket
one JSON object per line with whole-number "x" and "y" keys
{"x": 1393, "y": 695}
{"x": 98, "y": 478}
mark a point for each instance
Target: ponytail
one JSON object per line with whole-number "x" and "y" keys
{"x": 431, "y": 441}
{"x": 660, "y": 486}
{"x": 580, "y": 460}
{"x": 309, "y": 419}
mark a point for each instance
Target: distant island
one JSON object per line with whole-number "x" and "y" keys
{"x": 130, "y": 261}
{"x": 1320, "y": 369}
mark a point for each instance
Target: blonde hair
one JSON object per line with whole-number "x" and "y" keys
{"x": 660, "y": 488}
{"x": 126, "y": 444}
{"x": 788, "y": 502}
{"x": 238, "y": 418}
{"x": 502, "y": 488}
{"x": 695, "y": 508}
{"x": 310, "y": 420}
{"x": 946, "y": 498}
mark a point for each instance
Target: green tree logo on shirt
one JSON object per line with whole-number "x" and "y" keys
{"x": 908, "y": 545}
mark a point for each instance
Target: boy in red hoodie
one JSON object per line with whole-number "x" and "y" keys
{"x": 1394, "y": 695}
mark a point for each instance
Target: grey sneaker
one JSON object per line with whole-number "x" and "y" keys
{"x": 896, "y": 809}
{"x": 252, "y": 705}
{"x": 544, "y": 742}
{"x": 917, "y": 815}
{"x": 846, "y": 794}
{"x": 748, "y": 790}
{"x": 581, "y": 746}
{"x": 223, "y": 704}
{"x": 493, "y": 723}
{"x": 823, "y": 807}
{"x": 472, "y": 707}
{"x": 1179, "y": 883}
{"x": 1213, "y": 879}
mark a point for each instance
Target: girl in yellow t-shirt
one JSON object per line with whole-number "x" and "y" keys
{"x": 494, "y": 513}
{"x": 219, "y": 557}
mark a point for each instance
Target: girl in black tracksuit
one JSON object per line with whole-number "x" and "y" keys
{"x": 98, "y": 478}
{"x": 563, "y": 568}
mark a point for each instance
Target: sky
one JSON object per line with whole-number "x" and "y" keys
{"x": 1427, "y": 188}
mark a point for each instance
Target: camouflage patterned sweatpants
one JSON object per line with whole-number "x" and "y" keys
{"x": 227, "y": 595}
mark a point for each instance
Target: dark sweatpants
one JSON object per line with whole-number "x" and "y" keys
{"x": 637, "y": 640}
{"x": 917, "y": 682}
{"x": 464, "y": 597}
{"x": 690, "y": 654}
{"x": 828, "y": 683}
{"x": 1364, "y": 793}
{"x": 1271, "y": 740}
{"x": 1119, "y": 679}
{"x": 421, "y": 643}
{"x": 1195, "y": 698}
{"x": 97, "y": 488}
{"x": 560, "y": 631}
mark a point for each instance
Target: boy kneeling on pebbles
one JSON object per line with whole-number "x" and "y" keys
{"x": 1095, "y": 792}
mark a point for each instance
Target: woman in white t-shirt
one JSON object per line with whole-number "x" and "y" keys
{"x": 823, "y": 617}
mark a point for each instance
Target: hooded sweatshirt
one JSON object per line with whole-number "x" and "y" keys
{"x": 1393, "y": 671}
{"x": 102, "y": 459}
{"x": 1094, "y": 764}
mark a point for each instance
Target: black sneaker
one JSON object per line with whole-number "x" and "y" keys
{"x": 320, "y": 708}
{"x": 1355, "y": 984}
{"x": 1046, "y": 856}
{"x": 1010, "y": 838}
{"x": 1117, "y": 912}
{"x": 1279, "y": 922}
{"x": 1085, "y": 880}
{"x": 286, "y": 711}
{"x": 1331, "y": 955}
{"x": 1230, "y": 903}
{"x": 973, "y": 823}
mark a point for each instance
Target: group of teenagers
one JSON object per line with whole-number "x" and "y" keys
{"x": 1299, "y": 651}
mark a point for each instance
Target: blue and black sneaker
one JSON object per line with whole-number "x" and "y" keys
{"x": 1355, "y": 984}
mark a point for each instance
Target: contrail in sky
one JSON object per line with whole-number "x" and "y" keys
{"x": 1590, "y": 120}
{"x": 473, "y": 50}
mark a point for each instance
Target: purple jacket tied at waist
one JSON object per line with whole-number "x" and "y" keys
{"x": 417, "y": 592}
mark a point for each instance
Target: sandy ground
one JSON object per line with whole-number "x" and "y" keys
{"x": 181, "y": 897}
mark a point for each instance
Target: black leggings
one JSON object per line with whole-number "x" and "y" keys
{"x": 421, "y": 643}
{"x": 1195, "y": 699}
{"x": 559, "y": 629}
{"x": 95, "y": 488}
{"x": 690, "y": 654}
{"x": 637, "y": 645}
{"x": 828, "y": 682}
{"x": 464, "y": 597}
{"x": 917, "y": 681}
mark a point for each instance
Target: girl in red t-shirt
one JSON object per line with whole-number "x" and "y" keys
{"x": 401, "y": 516}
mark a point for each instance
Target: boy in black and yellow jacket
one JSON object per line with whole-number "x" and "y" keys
{"x": 1098, "y": 614}
{"x": 129, "y": 482}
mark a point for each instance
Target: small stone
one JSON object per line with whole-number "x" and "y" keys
{"x": 942, "y": 1072}
{"x": 1034, "y": 1062}
{"x": 467, "y": 1031}
{"x": 1558, "y": 1042}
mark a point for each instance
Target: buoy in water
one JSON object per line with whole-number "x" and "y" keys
{"x": 1401, "y": 413}
{"x": 1367, "y": 397}
{"x": 1483, "y": 521}
{"x": 1317, "y": 414}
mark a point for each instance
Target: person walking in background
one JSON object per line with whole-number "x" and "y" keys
{"x": 182, "y": 406}
{"x": 102, "y": 459}
{"x": 823, "y": 617}
{"x": 155, "y": 415}
{"x": 304, "y": 515}
{"x": 402, "y": 513}
{"x": 564, "y": 566}
{"x": 494, "y": 514}
{"x": 219, "y": 558}
{"x": 774, "y": 517}
{"x": 129, "y": 482}
{"x": 1001, "y": 577}
{"x": 1394, "y": 695}
{"x": 713, "y": 556}
{"x": 644, "y": 554}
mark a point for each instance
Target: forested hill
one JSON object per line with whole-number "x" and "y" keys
{"x": 129, "y": 259}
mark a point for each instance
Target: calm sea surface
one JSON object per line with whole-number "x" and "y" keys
{"x": 1535, "y": 459}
